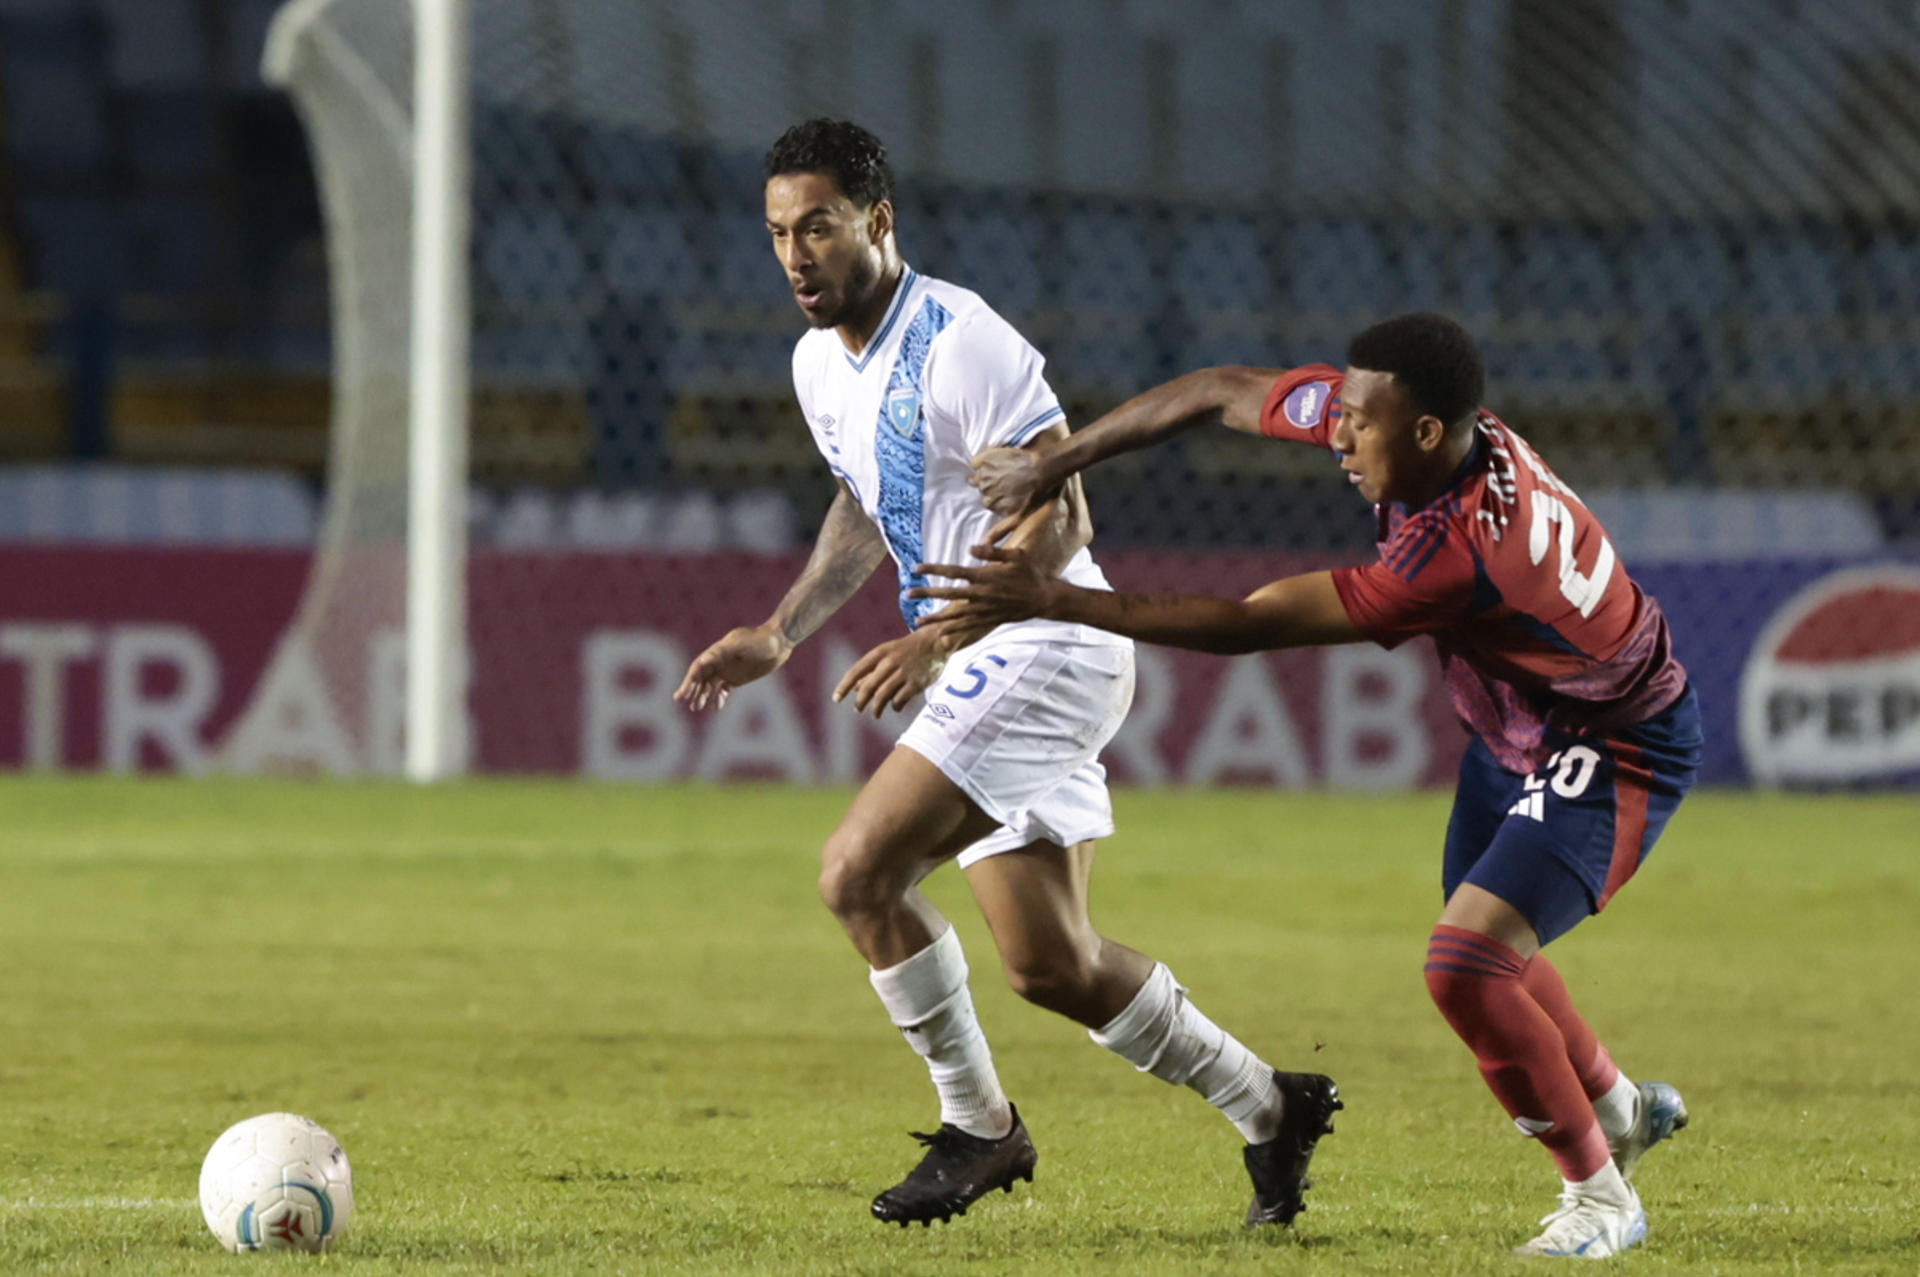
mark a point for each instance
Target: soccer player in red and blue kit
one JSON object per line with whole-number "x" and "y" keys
{"x": 1585, "y": 734}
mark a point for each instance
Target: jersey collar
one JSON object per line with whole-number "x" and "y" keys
{"x": 899, "y": 302}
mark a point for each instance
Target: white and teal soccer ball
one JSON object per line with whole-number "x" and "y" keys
{"x": 276, "y": 1182}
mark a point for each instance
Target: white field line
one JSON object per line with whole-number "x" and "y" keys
{"x": 96, "y": 1203}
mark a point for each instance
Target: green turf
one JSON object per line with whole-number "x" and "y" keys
{"x": 565, "y": 1028}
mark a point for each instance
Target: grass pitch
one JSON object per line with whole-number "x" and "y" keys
{"x": 564, "y": 1028}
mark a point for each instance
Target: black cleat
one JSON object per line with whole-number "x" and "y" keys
{"x": 958, "y": 1170}
{"x": 1279, "y": 1166}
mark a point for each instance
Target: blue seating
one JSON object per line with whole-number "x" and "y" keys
{"x": 1562, "y": 270}
{"x": 648, "y": 251}
{"x": 1106, "y": 262}
{"x": 530, "y": 256}
{"x": 1892, "y": 265}
{"x": 156, "y": 45}
{"x": 740, "y": 261}
{"x": 633, "y": 165}
{"x": 172, "y": 245}
{"x": 515, "y": 150}
{"x": 168, "y": 135}
{"x": 52, "y": 66}
{"x": 996, "y": 252}
{"x": 1221, "y": 262}
{"x": 1792, "y": 273}
{"x": 1339, "y": 267}
{"x": 1680, "y": 269}
{"x": 74, "y": 245}
{"x": 1570, "y": 358}
{"x": 1417, "y": 252}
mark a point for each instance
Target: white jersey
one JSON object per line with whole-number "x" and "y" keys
{"x": 944, "y": 378}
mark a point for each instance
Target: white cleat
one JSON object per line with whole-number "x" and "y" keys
{"x": 1591, "y": 1226}
{"x": 1660, "y": 1112}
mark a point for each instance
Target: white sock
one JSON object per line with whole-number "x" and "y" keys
{"x": 1618, "y": 1108}
{"x": 927, "y": 998}
{"x": 1162, "y": 1033}
{"x": 1605, "y": 1183}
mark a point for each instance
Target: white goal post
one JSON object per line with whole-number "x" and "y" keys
{"x": 437, "y": 427}
{"x": 371, "y": 674}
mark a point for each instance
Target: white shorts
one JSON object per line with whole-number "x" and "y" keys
{"x": 1017, "y": 725}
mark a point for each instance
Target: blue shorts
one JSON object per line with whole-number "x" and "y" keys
{"x": 1558, "y": 843}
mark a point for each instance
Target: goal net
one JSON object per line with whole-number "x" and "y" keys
{"x": 1685, "y": 235}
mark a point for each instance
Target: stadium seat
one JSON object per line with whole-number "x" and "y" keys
{"x": 742, "y": 436}
{"x": 172, "y": 244}
{"x": 729, "y": 180}
{"x": 1679, "y": 269}
{"x": 532, "y": 347}
{"x": 632, "y": 165}
{"x": 1339, "y": 268}
{"x": 1886, "y": 363}
{"x": 1417, "y": 252}
{"x": 52, "y": 64}
{"x": 1872, "y": 446}
{"x": 1570, "y": 388}
{"x": 528, "y": 430}
{"x": 246, "y": 28}
{"x": 72, "y": 244}
{"x": 515, "y": 152}
{"x": 1892, "y": 263}
{"x": 155, "y": 44}
{"x": 998, "y": 252}
{"x": 1220, "y": 262}
{"x": 1562, "y": 270}
{"x": 168, "y": 135}
{"x": 530, "y": 257}
{"x": 1792, "y": 274}
{"x": 215, "y": 415}
{"x": 33, "y": 390}
{"x": 1107, "y": 260}
{"x": 744, "y": 271}
{"x": 647, "y": 251}
{"x": 1110, "y": 351}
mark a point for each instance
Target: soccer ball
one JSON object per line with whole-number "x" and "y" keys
{"x": 276, "y": 1182}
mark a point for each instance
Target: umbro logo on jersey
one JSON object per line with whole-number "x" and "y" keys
{"x": 1306, "y": 406}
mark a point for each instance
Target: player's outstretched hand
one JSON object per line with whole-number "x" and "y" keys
{"x": 745, "y": 654}
{"x": 893, "y": 673}
{"x": 1008, "y": 479}
{"x": 1005, "y": 586}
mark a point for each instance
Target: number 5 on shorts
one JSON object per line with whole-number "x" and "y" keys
{"x": 979, "y": 681}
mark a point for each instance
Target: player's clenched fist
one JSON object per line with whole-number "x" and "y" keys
{"x": 1008, "y": 478}
{"x": 745, "y": 654}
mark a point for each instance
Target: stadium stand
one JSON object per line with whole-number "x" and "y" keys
{"x": 163, "y": 285}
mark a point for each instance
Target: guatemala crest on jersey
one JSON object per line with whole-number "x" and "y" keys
{"x": 903, "y": 411}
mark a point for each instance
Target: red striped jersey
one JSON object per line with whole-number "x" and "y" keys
{"x": 1537, "y": 622}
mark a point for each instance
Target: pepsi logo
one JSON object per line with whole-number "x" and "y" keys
{"x": 1831, "y": 691}
{"x": 1306, "y": 404}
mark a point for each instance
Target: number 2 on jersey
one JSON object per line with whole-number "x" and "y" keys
{"x": 1582, "y": 590}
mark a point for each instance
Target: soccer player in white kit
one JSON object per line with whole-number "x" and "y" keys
{"x": 903, "y": 379}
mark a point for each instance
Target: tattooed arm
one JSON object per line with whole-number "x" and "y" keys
{"x": 845, "y": 554}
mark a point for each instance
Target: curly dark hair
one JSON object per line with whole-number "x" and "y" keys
{"x": 845, "y": 152}
{"x": 1432, "y": 358}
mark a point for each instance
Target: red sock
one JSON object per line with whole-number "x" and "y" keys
{"x": 1590, "y": 1060}
{"x": 1476, "y": 982}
